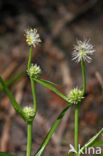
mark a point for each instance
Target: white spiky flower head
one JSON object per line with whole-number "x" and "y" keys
{"x": 32, "y": 37}
{"x": 34, "y": 71}
{"x": 84, "y": 50}
{"x": 28, "y": 111}
{"x": 75, "y": 96}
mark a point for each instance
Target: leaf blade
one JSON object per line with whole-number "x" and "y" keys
{"x": 50, "y": 82}
{"x": 101, "y": 154}
{"x": 51, "y": 131}
{"x": 69, "y": 154}
{"x": 49, "y": 86}
{"x": 5, "y": 154}
{"x": 12, "y": 99}
{"x": 91, "y": 141}
{"x": 97, "y": 143}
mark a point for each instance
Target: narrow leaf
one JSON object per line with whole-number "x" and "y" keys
{"x": 49, "y": 82}
{"x": 54, "y": 126}
{"x": 5, "y": 154}
{"x": 70, "y": 153}
{"x": 13, "y": 80}
{"x": 49, "y": 86}
{"x": 12, "y": 99}
{"x": 97, "y": 143}
{"x": 101, "y": 154}
{"x": 91, "y": 141}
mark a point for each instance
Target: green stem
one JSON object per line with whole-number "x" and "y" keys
{"x": 29, "y": 139}
{"x": 77, "y": 107}
{"x": 30, "y": 57}
{"x": 34, "y": 95}
{"x": 83, "y": 75}
{"x": 76, "y": 127}
{"x": 32, "y": 82}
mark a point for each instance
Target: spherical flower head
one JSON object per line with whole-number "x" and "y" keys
{"x": 84, "y": 50}
{"x": 75, "y": 96}
{"x": 34, "y": 71}
{"x": 32, "y": 37}
{"x": 28, "y": 111}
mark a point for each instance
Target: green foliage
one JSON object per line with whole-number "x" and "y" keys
{"x": 91, "y": 141}
{"x": 13, "y": 101}
{"x": 82, "y": 53}
{"x": 13, "y": 80}
{"x": 69, "y": 154}
{"x": 49, "y": 82}
{"x": 49, "y": 86}
{"x": 97, "y": 143}
{"x": 53, "y": 128}
{"x": 5, "y": 154}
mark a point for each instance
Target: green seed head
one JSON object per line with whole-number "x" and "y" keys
{"x": 28, "y": 111}
{"x": 75, "y": 96}
{"x": 34, "y": 71}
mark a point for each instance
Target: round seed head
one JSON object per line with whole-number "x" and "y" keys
{"x": 28, "y": 111}
{"x": 34, "y": 71}
{"x": 32, "y": 37}
{"x": 84, "y": 50}
{"x": 75, "y": 96}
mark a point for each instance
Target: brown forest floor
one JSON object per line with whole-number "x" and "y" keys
{"x": 59, "y": 23}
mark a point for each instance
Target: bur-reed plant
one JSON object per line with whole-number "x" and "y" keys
{"x": 82, "y": 52}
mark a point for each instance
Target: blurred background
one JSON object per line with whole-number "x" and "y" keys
{"x": 59, "y": 24}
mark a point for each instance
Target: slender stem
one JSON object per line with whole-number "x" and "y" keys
{"x": 77, "y": 107}
{"x": 34, "y": 95}
{"x": 32, "y": 82}
{"x": 83, "y": 75}
{"x": 30, "y": 57}
{"x": 76, "y": 127}
{"x": 29, "y": 139}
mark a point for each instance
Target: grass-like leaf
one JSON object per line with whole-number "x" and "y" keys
{"x": 90, "y": 142}
{"x": 97, "y": 143}
{"x": 50, "y": 82}
{"x": 13, "y": 80}
{"x": 49, "y": 86}
{"x": 12, "y": 99}
{"x": 5, "y": 154}
{"x": 101, "y": 154}
{"x": 54, "y": 126}
{"x": 69, "y": 154}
